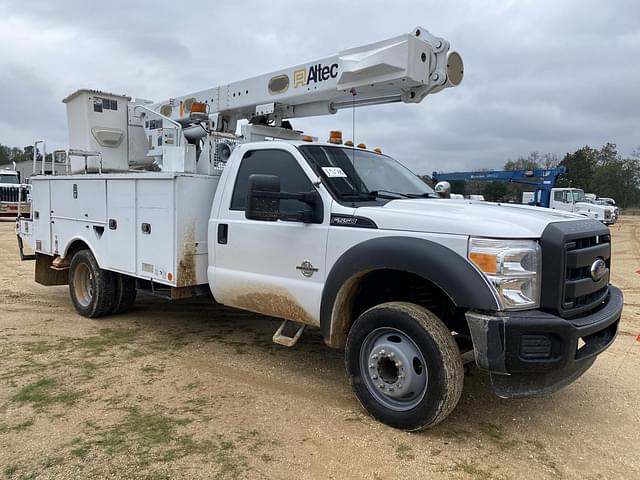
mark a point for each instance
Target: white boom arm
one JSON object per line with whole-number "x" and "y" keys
{"x": 401, "y": 69}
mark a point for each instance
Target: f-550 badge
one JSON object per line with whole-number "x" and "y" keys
{"x": 306, "y": 268}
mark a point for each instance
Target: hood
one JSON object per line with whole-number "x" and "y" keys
{"x": 593, "y": 206}
{"x": 465, "y": 217}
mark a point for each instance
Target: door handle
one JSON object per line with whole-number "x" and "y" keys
{"x": 223, "y": 233}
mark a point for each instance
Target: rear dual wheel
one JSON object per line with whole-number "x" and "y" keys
{"x": 404, "y": 365}
{"x": 96, "y": 292}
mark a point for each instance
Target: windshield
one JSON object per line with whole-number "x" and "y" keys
{"x": 578, "y": 195}
{"x": 12, "y": 179}
{"x": 354, "y": 174}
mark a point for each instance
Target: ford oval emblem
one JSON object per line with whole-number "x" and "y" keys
{"x": 598, "y": 269}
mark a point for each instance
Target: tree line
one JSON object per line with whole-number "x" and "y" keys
{"x": 601, "y": 171}
{"x": 15, "y": 154}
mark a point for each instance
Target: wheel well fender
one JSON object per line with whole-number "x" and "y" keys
{"x": 439, "y": 265}
{"x": 75, "y": 244}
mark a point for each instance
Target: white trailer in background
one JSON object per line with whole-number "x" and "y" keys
{"x": 165, "y": 197}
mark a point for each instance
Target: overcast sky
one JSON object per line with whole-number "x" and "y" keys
{"x": 544, "y": 75}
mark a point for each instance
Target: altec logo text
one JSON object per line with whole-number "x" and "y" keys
{"x": 317, "y": 73}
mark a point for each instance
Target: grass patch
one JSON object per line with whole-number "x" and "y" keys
{"x": 82, "y": 450}
{"x": 147, "y": 429}
{"x": 41, "y": 347}
{"x": 470, "y": 468}
{"x": 25, "y": 369}
{"x": 144, "y": 438}
{"x": 23, "y": 425}
{"x": 404, "y": 452}
{"x": 151, "y": 369}
{"x": 44, "y": 392}
{"x": 497, "y": 435}
{"x": 53, "y": 462}
{"x": 9, "y": 470}
{"x": 88, "y": 366}
{"x": 108, "y": 338}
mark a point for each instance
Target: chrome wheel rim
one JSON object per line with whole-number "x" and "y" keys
{"x": 393, "y": 369}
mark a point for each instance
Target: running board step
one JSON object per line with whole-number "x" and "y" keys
{"x": 281, "y": 339}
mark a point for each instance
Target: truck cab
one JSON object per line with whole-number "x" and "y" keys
{"x": 13, "y": 196}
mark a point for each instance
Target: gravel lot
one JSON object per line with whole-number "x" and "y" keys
{"x": 190, "y": 390}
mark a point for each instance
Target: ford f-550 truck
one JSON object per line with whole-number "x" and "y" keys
{"x": 329, "y": 235}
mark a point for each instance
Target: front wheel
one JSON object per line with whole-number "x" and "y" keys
{"x": 404, "y": 365}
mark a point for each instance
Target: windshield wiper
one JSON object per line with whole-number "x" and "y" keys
{"x": 381, "y": 194}
{"x": 361, "y": 195}
{"x": 376, "y": 193}
{"x": 384, "y": 194}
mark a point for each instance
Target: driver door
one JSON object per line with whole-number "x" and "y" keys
{"x": 274, "y": 268}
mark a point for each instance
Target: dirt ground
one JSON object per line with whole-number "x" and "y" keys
{"x": 189, "y": 390}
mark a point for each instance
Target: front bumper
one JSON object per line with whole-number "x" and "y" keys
{"x": 532, "y": 353}
{"x": 10, "y": 209}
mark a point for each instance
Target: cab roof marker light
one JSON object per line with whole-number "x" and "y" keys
{"x": 335, "y": 136}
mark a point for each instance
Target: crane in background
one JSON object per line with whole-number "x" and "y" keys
{"x": 541, "y": 179}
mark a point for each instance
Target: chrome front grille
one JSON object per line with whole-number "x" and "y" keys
{"x": 12, "y": 194}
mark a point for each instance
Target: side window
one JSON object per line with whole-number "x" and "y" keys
{"x": 272, "y": 162}
{"x": 557, "y": 196}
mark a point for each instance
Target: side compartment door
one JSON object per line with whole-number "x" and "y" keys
{"x": 121, "y": 225}
{"x": 41, "y": 205}
{"x": 274, "y": 268}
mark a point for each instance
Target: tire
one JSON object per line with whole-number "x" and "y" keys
{"x": 404, "y": 366}
{"x": 124, "y": 293}
{"x": 92, "y": 289}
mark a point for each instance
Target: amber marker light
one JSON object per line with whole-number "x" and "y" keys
{"x": 335, "y": 136}
{"x": 198, "y": 107}
{"x": 486, "y": 262}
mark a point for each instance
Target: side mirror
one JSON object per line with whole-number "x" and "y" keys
{"x": 259, "y": 206}
{"x": 443, "y": 189}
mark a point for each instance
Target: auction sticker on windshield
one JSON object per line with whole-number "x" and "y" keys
{"x": 334, "y": 172}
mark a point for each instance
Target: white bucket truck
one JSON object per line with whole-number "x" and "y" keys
{"x": 165, "y": 197}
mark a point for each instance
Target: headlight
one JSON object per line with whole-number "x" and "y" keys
{"x": 512, "y": 267}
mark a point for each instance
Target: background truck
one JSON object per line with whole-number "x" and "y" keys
{"x": 13, "y": 195}
{"x": 164, "y": 197}
{"x": 574, "y": 200}
{"x": 593, "y": 198}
